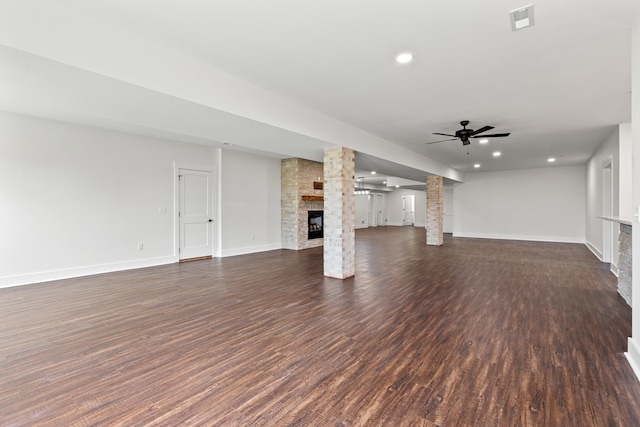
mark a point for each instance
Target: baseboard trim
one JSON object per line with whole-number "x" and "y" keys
{"x": 595, "y": 250}
{"x": 250, "y": 250}
{"x": 394, "y": 224}
{"x": 47, "y": 276}
{"x": 551, "y": 239}
{"x": 399, "y": 224}
{"x": 614, "y": 269}
{"x": 633, "y": 356}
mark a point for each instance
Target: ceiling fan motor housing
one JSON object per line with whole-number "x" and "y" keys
{"x": 464, "y": 133}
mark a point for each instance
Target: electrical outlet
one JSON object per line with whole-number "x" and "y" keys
{"x": 140, "y": 246}
{"x": 162, "y": 209}
{"x": 253, "y": 236}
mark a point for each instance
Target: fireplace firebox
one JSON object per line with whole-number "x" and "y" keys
{"x": 315, "y": 224}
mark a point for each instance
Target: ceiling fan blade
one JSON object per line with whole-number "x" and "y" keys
{"x": 442, "y": 140}
{"x": 445, "y": 134}
{"x": 482, "y": 129}
{"x": 494, "y": 135}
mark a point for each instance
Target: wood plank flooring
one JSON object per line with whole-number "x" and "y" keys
{"x": 474, "y": 333}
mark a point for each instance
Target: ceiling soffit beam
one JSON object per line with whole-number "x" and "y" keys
{"x": 53, "y": 31}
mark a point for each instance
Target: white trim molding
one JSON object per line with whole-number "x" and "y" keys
{"x": 250, "y": 250}
{"x": 595, "y": 250}
{"x": 633, "y": 356}
{"x": 552, "y": 239}
{"x": 614, "y": 269}
{"x": 47, "y": 276}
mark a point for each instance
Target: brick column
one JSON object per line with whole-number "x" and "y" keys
{"x": 434, "y": 210}
{"x": 289, "y": 200}
{"x": 339, "y": 212}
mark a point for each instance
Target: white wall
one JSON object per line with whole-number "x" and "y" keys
{"x": 77, "y": 200}
{"x": 546, "y": 204}
{"x": 394, "y": 207}
{"x": 633, "y": 353}
{"x": 250, "y": 203}
{"x": 362, "y": 210}
{"x": 625, "y": 173}
{"x": 447, "y": 209}
{"x": 391, "y": 206}
{"x": 420, "y": 219}
{"x": 607, "y": 152}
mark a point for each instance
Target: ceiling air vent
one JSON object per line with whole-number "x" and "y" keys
{"x": 521, "y": 18}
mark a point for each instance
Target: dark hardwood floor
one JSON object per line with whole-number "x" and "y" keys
{"x": 474, "y": 333}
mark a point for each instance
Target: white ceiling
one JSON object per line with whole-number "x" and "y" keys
{"x": 559, "y": 87}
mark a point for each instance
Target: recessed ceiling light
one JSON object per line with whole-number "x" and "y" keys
{"x": 384, "y": 182}
{"x": 483, "y": 141}
{"x": 404, "y": 58}
{"x": 397, "y": 186}
{"x": 551, "y": 159}
{"x": 496, "y": 154}
{"x": 373, "y": 172}
{"x": 477, "y": 165}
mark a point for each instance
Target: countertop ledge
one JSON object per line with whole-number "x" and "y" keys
{"x": 616, "y": 219}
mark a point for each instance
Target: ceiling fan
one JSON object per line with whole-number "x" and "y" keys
{"x": 465, "y": 134}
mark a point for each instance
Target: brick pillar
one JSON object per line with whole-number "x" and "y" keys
{"x": 339, "y": 212}
{"x": 434, "y": 210}
{"x": 289, "y": 200}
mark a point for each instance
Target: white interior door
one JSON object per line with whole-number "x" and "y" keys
{"x": 408, "y": 209}
{"x": 195, "y": 214}
{"x": 379, "y": 208}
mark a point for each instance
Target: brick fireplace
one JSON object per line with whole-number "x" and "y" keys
{"x": 299, "y": 197}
